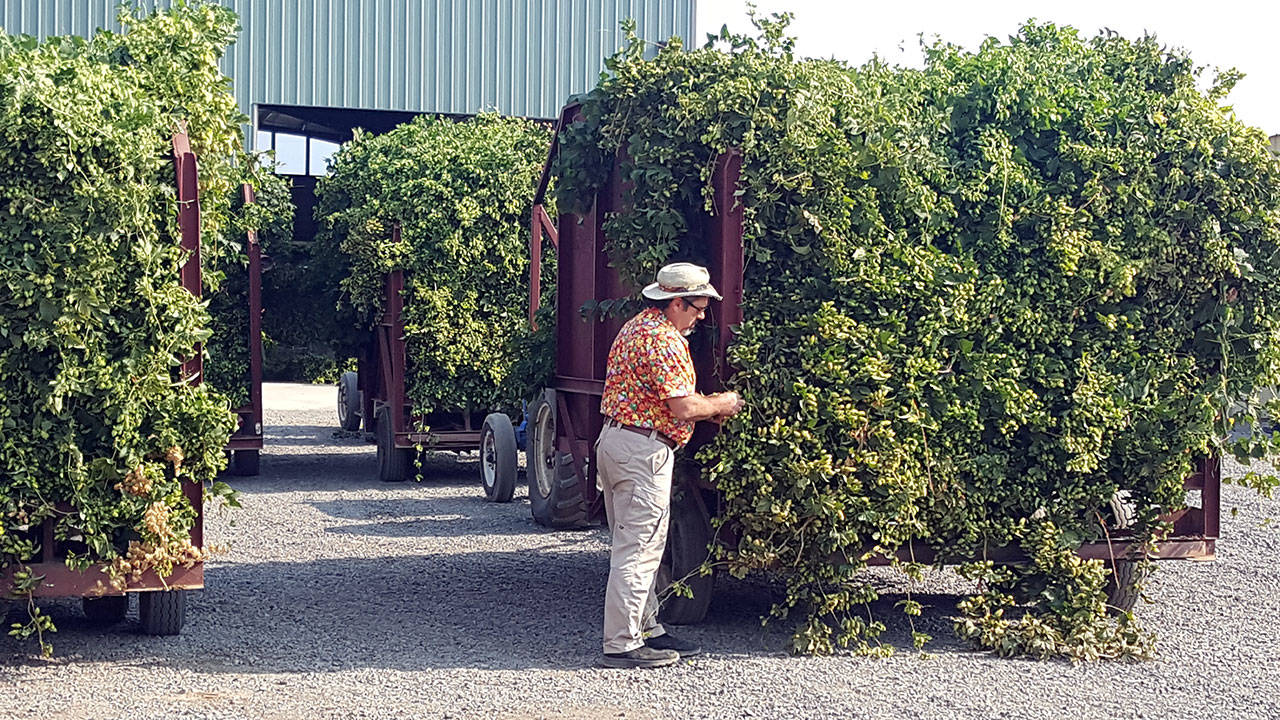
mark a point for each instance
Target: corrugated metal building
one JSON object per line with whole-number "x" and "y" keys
{"x": 306, "y": 72}
{"x": 518, "y": 57}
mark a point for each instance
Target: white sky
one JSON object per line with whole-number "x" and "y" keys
{"x": 1222, "y": 33}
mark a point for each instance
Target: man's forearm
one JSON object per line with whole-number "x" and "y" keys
{"x": 693, "y": 408}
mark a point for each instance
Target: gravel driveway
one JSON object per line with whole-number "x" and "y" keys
{"x": 343, "y": 597}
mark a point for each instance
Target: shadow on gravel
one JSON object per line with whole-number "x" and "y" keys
{"x": 484, "y": 610}
{"x": 733, "y": 625}
{"x": 434, "y": 517}
{"x": 338, "y": 470}
{"x": 321, "y": 465}
{"x": 539, "y": 608}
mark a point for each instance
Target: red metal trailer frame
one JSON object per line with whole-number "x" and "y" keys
{"x": 57, "y": 580}
{"x": 246, "y": 442}
{"x": 584, "y": 274}
{"x": 381, "y": 368}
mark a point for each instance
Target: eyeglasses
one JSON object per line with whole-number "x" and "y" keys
{"x": 695, "y": 306}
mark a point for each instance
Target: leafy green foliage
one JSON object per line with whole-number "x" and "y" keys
{"x": 174, "y": 58}
{"x": 461, "y": 193}
{"x": 97, "y": 425}
{"x": 226, "y": 364}
{"x": 981, "y": 298}
{"x": 1077, "y": 625}
{"x": 305, "y": 334}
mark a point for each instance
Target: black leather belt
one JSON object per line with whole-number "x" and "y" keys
{"x": 647, "y": 432}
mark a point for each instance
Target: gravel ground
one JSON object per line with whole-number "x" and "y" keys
{"x": 343, "y": 597}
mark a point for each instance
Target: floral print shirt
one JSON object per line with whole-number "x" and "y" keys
{"x": 649, "y": 362}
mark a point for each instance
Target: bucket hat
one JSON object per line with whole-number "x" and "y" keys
{"x": 681, "y": 280}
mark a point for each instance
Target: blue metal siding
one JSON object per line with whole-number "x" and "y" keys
{"x": 519, "y": 57}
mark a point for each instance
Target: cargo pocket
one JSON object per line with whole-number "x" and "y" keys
{"x": 651, "y": 499}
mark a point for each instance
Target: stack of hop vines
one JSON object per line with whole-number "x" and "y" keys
{"x": 983, "y": 299}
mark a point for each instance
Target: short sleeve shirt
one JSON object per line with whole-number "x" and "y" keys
{"x": 649, "y": 362}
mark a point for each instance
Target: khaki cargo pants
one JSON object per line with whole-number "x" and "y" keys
{"x": 635, "y": 478}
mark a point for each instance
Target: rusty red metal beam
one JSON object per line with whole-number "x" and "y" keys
{"x": 1211, "y": 496}
{"x": 539, "y": 225}
{"x": 726, "y": 265}
{"x": 568, "y": 114}
{"x": 581, "y": 386}
{"x": 184, "y": 162}
{"x": 395, "y": 345}
{"x": 1178, "y": 548}
{"x": 194, "y": 493}
{"x": 441, "y": 440}
{"x": 389, "y": 346}
{"x": 245, "y": 443}
{"x": 254, "y": 251}
{"x": 540, "y": 222}
{"x": 61, "y": 581}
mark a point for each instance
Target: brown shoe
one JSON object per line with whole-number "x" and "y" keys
{"x": 641, "y": 657}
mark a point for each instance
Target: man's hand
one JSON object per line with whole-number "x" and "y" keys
{"x": 692, "y": 408}
{"x": 730, "y": 404}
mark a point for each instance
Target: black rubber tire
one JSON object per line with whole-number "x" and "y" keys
{"x": 394, "y": 463}
{"x": 1125, "y": 576}
{"x": 349, "y": 401}
{"x": 688, "y": 538}
{"x": 1121, "y": 511}
{"x": 162, "y": 612}
{"x": 555, "y": 493}
{"x": 1123, "y": 585}
{"x": 246, "y": 463}
{"x": 498, "y": 458}
{"x": 106, "y": 610}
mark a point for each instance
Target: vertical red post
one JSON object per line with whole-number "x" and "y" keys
{"x": 367, "y": 382}
{"x": 540, "y": 223}
{"x": 540, "y": 220}
{"x": 726, "y": 265}
{"x": 1211, "y": 495}
{"x": 726, "y": 260}
{"x": 614, "y": 197}
{"x": 189, "y": 225}
{"x": 254, "y": 249}
{"x": 184, "y": 162}
{"x": 194, "y": 493}
{"x": 394, "y": 322}
{"x": 535, "y": 265}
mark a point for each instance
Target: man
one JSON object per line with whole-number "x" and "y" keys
{"x": 650, "y": 405}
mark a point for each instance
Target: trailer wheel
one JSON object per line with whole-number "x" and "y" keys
{"x": 1124, "y": 575}
{"x": 349, "y": 401}
{"x": 393, "y": 462}
{"x": 245, "y": 463}
{"x": 688, "y": 538}
{"x": 106, "y": 610}
{"x": 498, "y": 458}
{"x": 162, "y": 612}
{"x": 1121, "y": 510}
{"x": 1123, "y": 585}
{"x": 555, "y": 495}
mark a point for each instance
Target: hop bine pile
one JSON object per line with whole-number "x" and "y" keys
{"x": 98, "y": 427}
{"x": 173, "y": 56}
{"x": 226, "y": 365}
{"x": 982, "y": 300}
{"x": 461, "y": 193}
